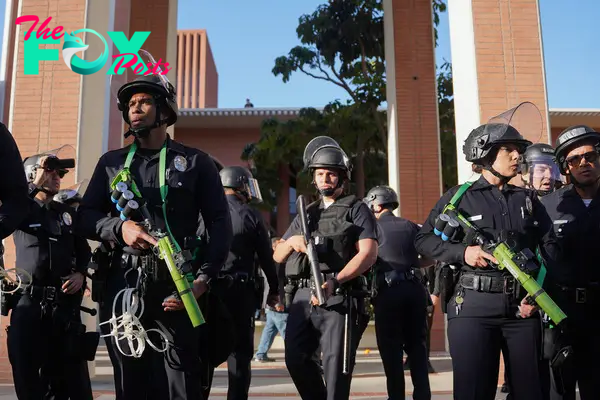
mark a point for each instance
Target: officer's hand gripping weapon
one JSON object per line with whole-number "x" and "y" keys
{"x": 311, "y": 252}
{"x": 518, "y": 264}
{"x": 178, "y": 267}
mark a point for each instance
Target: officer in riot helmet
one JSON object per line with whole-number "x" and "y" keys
{"x": 539, "y": 170}
{"x": 237, "y": 279}
{"x": 399, "y": 298}
{"x": 154, "y": 187}
{"x": 487, "y": 308}
{"x": 574, "y": 281}
{"x": 69, "y": 196}
{"x": 48, "y": 347}
{"x": 344, "y": 232}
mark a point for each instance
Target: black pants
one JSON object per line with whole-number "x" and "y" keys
{"x": 309, "y": 326}
{"x": 401, "y": 324}
{"x": 40, "y": 352}
{"x": 583, "y": 369}
{"x": 172, "y": 375}
{"x": 475, "y": 345}
{"x": 241, "y": 303}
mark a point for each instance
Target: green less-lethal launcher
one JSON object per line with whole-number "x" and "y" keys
{"x": 184, "y": 289}
{"x": 504, "y": 255}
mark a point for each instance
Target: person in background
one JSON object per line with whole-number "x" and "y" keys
{"x": 276, "y": 316}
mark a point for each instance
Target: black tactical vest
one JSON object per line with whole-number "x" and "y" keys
{"x": 334, "y": 235}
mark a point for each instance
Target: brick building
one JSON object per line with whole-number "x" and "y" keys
{"x": 497, "y": 63}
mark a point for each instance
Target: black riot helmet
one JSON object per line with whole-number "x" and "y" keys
{"x": 325, "y": 152}
{"x": 539, "y": 169}
{"x": 483, "y": 143}
{"x": 483, "y": 140}
{"x": 383, "y": 196}
{"x": 570, "y": 137}
{"x": 241, "y": 180}
{"x": 59, "y": 160}
{"x": 71, "y": 195}
{"x": 156, "y": 85}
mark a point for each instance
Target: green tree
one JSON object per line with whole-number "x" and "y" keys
{"x": 342, "y": 43}
{"x": 447, "y": 135}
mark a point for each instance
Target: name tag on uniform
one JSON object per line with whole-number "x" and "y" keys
{"x": 35, "y": 225}
{"x": 561, "y": 221}
{"x": 53, "y": 239}
{"x": 474, "y": 218}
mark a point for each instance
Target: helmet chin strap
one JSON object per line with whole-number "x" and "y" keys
{"x": 328, "y": 192}
{"x": 503, "y": 179}
{"x": 144, "y": 132}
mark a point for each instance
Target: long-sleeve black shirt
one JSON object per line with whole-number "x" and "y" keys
{"x": 577, "y": 228}
{"x": 492, "y": 211}
{"x": 250, "y": 236}
{"x": 46, "y": 245}
{"x": 196, "y": 203}
{"x": 13, "y": 185}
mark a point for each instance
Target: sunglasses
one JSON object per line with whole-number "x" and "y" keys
{"x": 575, "y": 161}
{"x": 60, "y": 172}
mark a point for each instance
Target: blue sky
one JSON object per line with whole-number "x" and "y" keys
{"x": 246, "y": 37}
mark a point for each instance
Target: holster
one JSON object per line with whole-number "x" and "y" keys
{"x": 100, "y": 263}
{"x": 289, "y": 290}
{"x": 8, "y": 300}
{"x": 448, "y": 279}
{"x": 80, "y": 344}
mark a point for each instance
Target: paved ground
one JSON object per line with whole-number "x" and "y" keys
{"x": 271, "y": 380}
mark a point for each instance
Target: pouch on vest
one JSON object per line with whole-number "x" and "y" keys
{"x": 335, "y": 237}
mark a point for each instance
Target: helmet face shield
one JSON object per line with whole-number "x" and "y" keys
{"x": 320, "y": 143}
{"x": 526, "y": 119}
{"x": 543, "y": 175}
{"x": 253, "y": 190}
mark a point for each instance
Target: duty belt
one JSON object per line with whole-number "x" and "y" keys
{"x": 582, "y": 295}
{"x": 394, "y": 277}
{"x": 43, "y": 293}
{"x": 488, "y": 283}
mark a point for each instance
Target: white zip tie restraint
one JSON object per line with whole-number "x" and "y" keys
{"x": 127, "y": 326}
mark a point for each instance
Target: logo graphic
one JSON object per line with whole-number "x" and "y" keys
{"x": 128, "y": 56}
{"x": 73, "y": 45}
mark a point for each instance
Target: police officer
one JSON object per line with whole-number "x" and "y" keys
{"x": 482, "y": 311}
{"x": 539, "y": 170}
{"x": 13, "y": 186}
{"x": 181, "y": 189}
{"x": 426, "y": 275}
{"x": 45, "y": 325}
{"x": 401, "y": 299}
{"x": 574, "y": 282}
{"x": 250, "y": 238}
{"x": 345, "y": 232}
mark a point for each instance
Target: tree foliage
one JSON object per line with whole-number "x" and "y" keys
{"x": 342, "y": 42}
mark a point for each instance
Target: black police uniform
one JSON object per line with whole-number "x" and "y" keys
{"x": 13, "y": 185}
{"x": 307, "y": 325}
{"x": 574, "y": 284}
{"x": 45, "y": 323}
{"x": 195, "y": 195}
{"x": 236, "y": 287}
{"x": 400, "y": 307}
{"x": 490, "y": 298}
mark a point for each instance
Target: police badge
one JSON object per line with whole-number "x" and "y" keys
{"x": 529, "y": 206}
{"x": 67, "y": 219}
{"x": 180, "y": 163}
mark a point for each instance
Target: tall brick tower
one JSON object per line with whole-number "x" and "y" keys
{"x": 59, "y": 106}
